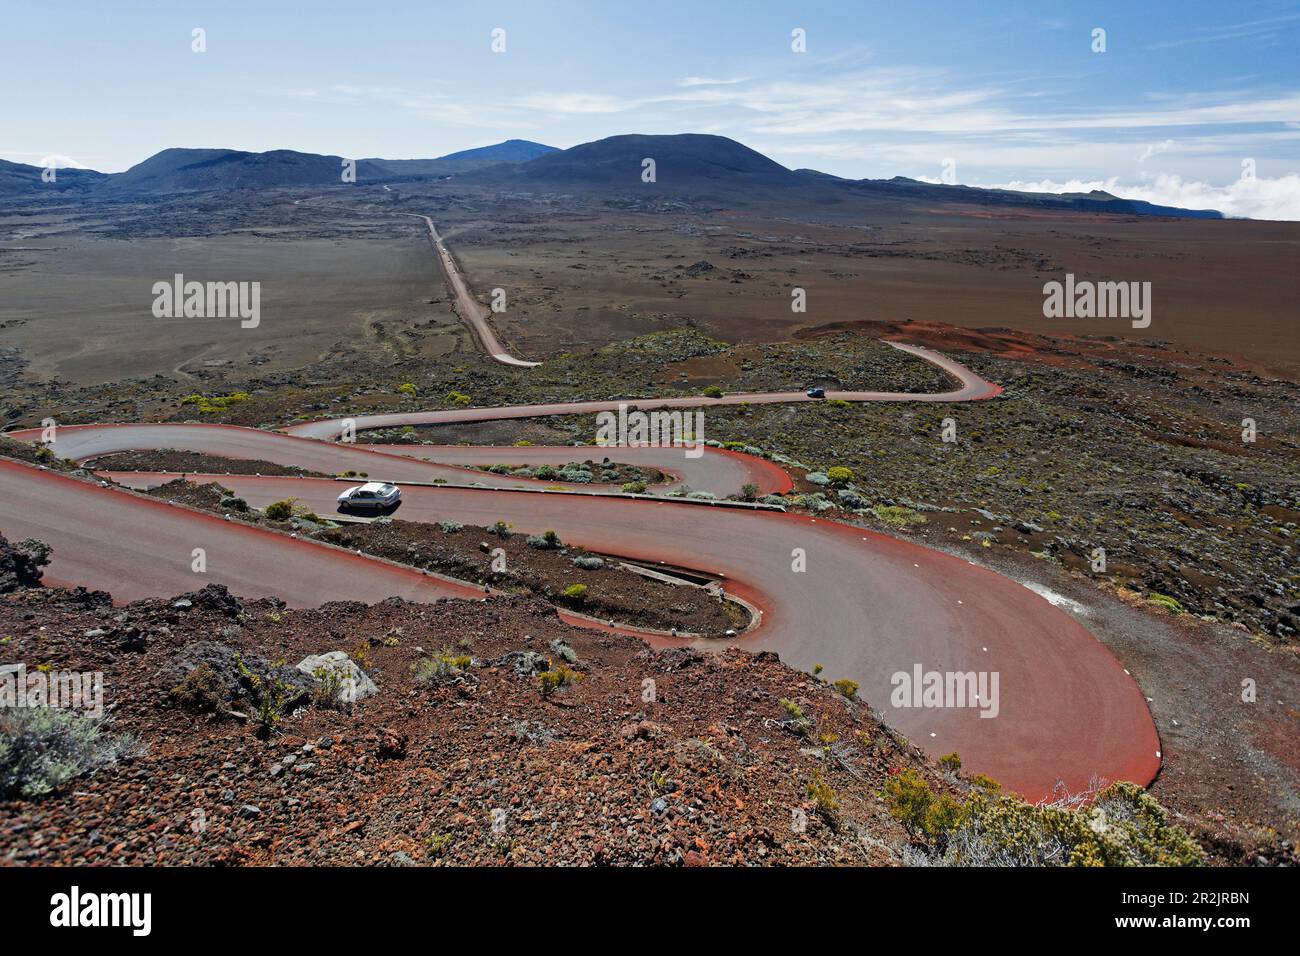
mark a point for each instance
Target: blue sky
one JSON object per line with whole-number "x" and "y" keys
{"x": 1011, "y": 93}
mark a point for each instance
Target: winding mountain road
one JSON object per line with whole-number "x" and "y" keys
{"x": 868, "y": 607}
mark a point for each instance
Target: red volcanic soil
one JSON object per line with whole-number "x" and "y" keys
{"x": 1005, "y": 343}
{"x": 1062, "y": 350}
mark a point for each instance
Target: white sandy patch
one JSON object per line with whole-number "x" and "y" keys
{"x": 1056, "y": 600}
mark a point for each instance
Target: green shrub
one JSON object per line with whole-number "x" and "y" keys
{"x": 908, "y": 798}
{"x": 42, "y": 748}
{"x": 839, "y": 475}
{"x": 406, "y": 388}
{"x": 824, "y": 799}
{"x": 1123, "y": 826}
{"x": 458, "y": 398}
{"x": 280, "y": 510}
{"x": 941, "y": 816}
{"x": 577, "y": 593}
{"x": 898, "y": 515}
{"x": 712, "y": 391}
{"x": 950, "y": 762}
{"x": 1170, "y": 604}
{"x": 634, "y": 488}
{"x": 849, "y": 688}
{"x": 273, "y": 697}
{"x": 797, "y": 721}
{"x": 329, "y": 688}
{"x": 561, "y": 675}
{"x": 441, "y": 666}
{"x": 208, "y": 405}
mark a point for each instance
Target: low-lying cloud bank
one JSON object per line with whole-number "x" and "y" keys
{"x": 1256, "y": 198}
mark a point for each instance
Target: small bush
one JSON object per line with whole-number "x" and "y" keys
{"x": 442, "y": 666}
{"x": 450, "y": 527}
{"x": 839, "y": 475}
{"x": 328, "y": 693}
{"x": 748, "y": 491}
{"x": 712, "y": 391}
{"x": 406, "y": 388}
{"x": 272, "y": 697}
{"x": 898, "y": 515}
{"x": 634, "y": 488}
{"x": 849, "y": 688}
{"x": 42, "y": 748}
{"x": 796, "y": 721}
{"x": 1124, "y": 826}
{"x": 950, "y": 762}
{"x": 209, "y": 405}
{"x": 576, "y": 593}
{"x": 908, "y": 798}
{"x": 824, "y": 800}
{"x": 458, "y": 398}
{"x": 561, "y": 675}
{"x": 200, "y": 691}
{"x": 280, "y": 510}
{"x": 546, "y": 541}
{"x": 1170, "y": 604}
{"x": 501, "y": 529}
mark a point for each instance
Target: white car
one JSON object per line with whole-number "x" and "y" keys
{"x": 373, "y": 494}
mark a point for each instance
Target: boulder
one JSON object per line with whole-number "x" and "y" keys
{"x": 350, "y": 675}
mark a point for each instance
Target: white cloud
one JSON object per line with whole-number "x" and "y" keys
{"x": 1154, "y": 149}
{"x": 709, "y": 81}
{"x": 1257, "y": 198}
{"x": 58, "y": 161}
{"x": 572, "y": 103}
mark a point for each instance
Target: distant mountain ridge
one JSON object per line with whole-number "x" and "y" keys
{"x": 684, "y": 158}
{"x": 1095, "y": 201}
{"x": 510, "y": 151}
{"x": 631, "y": 167}
{"x": 17, "y": 178}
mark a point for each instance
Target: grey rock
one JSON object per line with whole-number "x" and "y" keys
{"x": 354, "y": 682}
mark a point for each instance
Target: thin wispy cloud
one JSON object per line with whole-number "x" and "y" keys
{"x": 1266, "y": 28}
{"x": 709, "y": 81}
